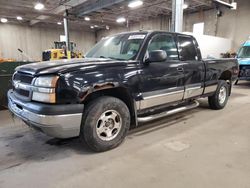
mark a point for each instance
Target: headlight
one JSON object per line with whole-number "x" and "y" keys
{"x": 44, "y": 89}
{"x": 46, "y": 81}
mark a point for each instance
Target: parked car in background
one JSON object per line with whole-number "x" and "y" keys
{"x": 244, "y": 62}
{"x": 124, "y": 80}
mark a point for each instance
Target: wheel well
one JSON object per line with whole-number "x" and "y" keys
{"x": 118, "y": 92}
{"x": 227, "y": 76}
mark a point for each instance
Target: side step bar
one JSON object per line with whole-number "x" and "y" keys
{"x": 194, "y": 104}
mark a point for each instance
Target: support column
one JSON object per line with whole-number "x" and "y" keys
{"x": 177, "y": 15}
{"x": 66, "y": 30}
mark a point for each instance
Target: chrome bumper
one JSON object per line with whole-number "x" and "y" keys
{"x": 57, "y": 125}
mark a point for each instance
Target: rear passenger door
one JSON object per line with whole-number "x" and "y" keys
{"x": 194, "y": 68}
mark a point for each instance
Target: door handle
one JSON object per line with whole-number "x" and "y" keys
{"x": 180, "y": 69}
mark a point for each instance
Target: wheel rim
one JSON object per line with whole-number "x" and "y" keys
{"x": 109, "y": 125}
{"x": 222, "y": 95}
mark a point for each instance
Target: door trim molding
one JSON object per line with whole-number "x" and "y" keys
{"x": 193, "y": 90}
{"x": 210, "y": 89}
{"x": 160, "y": 97}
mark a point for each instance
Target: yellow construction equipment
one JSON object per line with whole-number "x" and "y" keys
{"x": 60, "y": 52}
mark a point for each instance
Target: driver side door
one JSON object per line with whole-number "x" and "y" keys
{"x": 162, "y": 82}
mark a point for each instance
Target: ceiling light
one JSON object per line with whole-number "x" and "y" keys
{"x": 59, "y": 23}
{"x": 87, "y": 18}
{"x": 4, "y": 20}
{"x": 19, "y": 18}
{"x": 185, "y": 6}
{"x": 92, "y": 27}
{"x": 107, "y": 27}
{"x": 134, "y": 4}
{"x": 121, "y": 20}
{"x": 96, "y": 26}
{"x": 39, "y": 6}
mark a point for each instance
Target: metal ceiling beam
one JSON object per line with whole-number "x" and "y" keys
{"x": 21, "y": 12}
{"x": 99, "y": 4}
{"x": 203, "y": 2}
{"x": 110, "y": 10}
{"x": 58, "y": 10}
{"x": 223, "y": 3}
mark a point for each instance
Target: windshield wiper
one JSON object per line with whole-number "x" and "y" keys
{"x": 103, "y": 57}
{"x": 119, "y": 59}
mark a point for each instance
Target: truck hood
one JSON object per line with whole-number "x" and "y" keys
{"x": 244, "y": 61}
{"x": 64, "y": 66}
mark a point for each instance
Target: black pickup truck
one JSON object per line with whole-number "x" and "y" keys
{"x": 124, "y": 80}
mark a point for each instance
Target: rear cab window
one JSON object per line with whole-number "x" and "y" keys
{"x": 187, "y": 48}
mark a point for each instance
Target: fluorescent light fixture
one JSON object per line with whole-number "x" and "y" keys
{"x": 121, "y": 20}
{"x": 96, "y": 26}
{"x": 19, "y": 18}
{"x": 39, "y": 6}
{"x": 4, "y": 20}
{"x": 87, "y": 18}
{"x": 185, "y": 6}
{"x": 59, "y": 23}
{"x": 134, "y": 4}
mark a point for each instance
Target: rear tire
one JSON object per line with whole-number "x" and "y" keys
{"x": 105, "y": 123}
{"x": 219, "y": 99}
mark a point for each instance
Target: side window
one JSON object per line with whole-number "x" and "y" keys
{"x": 164, "y": 42}
{"x": 187, "y": 48}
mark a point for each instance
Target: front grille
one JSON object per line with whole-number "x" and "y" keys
{"x": 22, "y": 78}
{"x": 244, "y": 71}
{"x": 22, "y": 92}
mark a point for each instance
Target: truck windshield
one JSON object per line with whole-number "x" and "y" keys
{"x": 119, "y": 47}
{"x": 244, "y": 52}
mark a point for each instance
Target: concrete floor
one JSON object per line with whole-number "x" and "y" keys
{"x": 199, "y": 148}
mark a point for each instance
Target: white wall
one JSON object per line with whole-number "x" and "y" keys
{"x": 211, "y": 46}
{"x": 234, "y": 24}
{"x": 33, "y": 40}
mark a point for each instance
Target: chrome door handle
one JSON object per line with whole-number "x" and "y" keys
{"x": 180, "y": 69}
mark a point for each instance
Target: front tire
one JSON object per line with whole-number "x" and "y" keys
{"x": 219, "y": 99}
{"x": 105, "y": 123}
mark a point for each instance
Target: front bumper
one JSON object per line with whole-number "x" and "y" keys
{"x": 244, "y": 73}
{"x": 59, "y": 121}
{"x": 244, "y": 78}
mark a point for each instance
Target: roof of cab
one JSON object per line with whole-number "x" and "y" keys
{"x": 247, "y": 43}
{"x": 149, "y": 32}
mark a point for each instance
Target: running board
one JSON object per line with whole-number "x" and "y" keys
{"x": 194, "y": 104}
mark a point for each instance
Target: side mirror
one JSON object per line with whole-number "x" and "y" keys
{"x": 157, "y": 56}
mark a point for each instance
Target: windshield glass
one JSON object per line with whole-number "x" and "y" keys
{"x": 244, "y": 52}
{"x": 120, "y": 47}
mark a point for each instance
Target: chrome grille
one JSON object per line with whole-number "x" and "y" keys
{"x": 22, "y": 92}
{"x": 22, "y": 79}
{"x": 244, "y": 71}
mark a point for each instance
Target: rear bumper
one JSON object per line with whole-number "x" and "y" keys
{"x": 59, "y": 121}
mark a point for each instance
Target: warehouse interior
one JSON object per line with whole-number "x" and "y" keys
{"x": 199, "y": 147}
